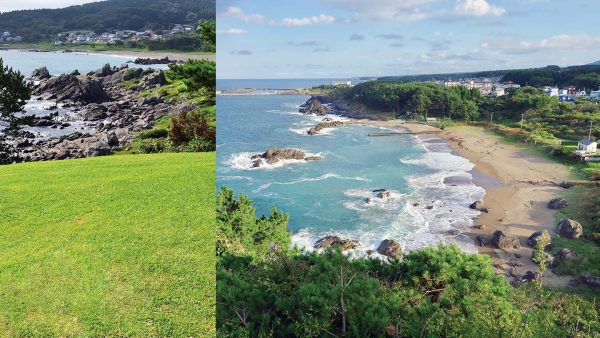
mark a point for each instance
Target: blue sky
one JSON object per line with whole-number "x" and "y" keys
{"x": 344, "y": 38}
{"x": 12, "y": 5}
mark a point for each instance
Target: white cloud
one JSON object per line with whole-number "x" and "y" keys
{"x": 12, "y": 5}
{"x": 394, "y": 10}
{"x": 236, "y": 12}
{"x": 555, "y": 42}
{"x": 239, "y": 14}
{"x": 311, "y": 20}
{"x": 478, "y": 8}
{"x": 232, "y": 31}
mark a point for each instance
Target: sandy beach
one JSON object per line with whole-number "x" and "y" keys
{"x": 179, "y": 56}
{"x": 158, "y": 55}
{"x": 518, "y": 187}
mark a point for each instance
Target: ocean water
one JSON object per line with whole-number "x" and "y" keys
{"x": 223, "y": 84}
{"x": 431, "y": 187}
{"x": 61, "y": 63}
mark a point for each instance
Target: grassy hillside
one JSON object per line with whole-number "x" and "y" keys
{"x": 101, "y": 16}
{"x": 108, "y": 246}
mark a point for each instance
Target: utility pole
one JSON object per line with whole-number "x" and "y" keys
{"x": 590, "y": 135}
{"x": 522, "y": 118}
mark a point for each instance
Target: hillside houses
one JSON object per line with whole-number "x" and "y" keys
{"x": 87, "y": 37}
{"x": 486, "y": 86}
{"x": 570, "y": 94}
{"x": 8, "y": 37}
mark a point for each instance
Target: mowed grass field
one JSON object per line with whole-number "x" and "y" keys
{"x": 109, "y": 246}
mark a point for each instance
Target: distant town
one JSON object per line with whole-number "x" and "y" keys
{"x": 486, "y": 86}
{"x": 492, "y": 87}
{"x": 7, "y": 37}
{"x": 109, "y": 38}
{"x": 88, "y": 37}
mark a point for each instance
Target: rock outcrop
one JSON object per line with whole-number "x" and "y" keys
{"x": 531, "y": 276}
{"x": 150, "y": 61}
{"x": 382, "y": 193}
{"x": 113, "y": 113}
{"x": 566, "y": 256}
{"x": 315, "y": 106}
{"x": 39, "y": 74}
{"x": 569, "y": 228}
{"x": 73, "y": 88}
{"x": 390, "y": 248}
{"x": 557, "y": 203}
{"x": 323, "y": 125}
{"x": 591, "y": 281}
{"x": 478, "y": 205}
{"x": 329, "y": 241}
{"x": 274, "y": 155}
{"x": 504, "y": 241}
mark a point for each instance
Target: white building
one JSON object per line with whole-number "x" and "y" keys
{"x": 551, "y": 91}
{"x": 587, "y": 147}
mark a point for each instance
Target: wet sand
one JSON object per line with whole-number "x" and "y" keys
{"x": 158, "y": 55}
{"x": 518, "y": 187}
{"x": 178, "y": 56}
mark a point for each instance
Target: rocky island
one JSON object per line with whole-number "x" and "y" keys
{"x": 275, "y": 155}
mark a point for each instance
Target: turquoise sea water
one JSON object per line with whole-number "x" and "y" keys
{"x": 60, "y": 63}
{"x": 431, "y": 187}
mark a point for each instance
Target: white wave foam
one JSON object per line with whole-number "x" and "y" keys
{"x": 312, "y": 179}
{"x": 442, "y": 161}
{"x": 243, "y": 161}
{"x": 422, "y": 217}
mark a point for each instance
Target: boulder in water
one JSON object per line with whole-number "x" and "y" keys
{"x": 329, "y": 241}
{"x": 477, "y": 205}
{"x": 390, "y": 248}
{"x": 274, "y": 155}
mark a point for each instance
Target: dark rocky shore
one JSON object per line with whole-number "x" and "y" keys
{"x": 324, "y": 105}
{"x": 101, "y": 100}
{"x": 150, "y": 61}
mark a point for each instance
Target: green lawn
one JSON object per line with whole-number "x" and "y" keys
{"x": 108, "y": 246}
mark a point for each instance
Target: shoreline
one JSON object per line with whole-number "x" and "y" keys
{"x": 518, "y": 187}
{"x": 176, "y": 56}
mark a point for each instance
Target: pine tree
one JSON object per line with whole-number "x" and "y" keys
{"x": 14, "y": 93}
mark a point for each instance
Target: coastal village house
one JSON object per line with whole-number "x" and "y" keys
{"x": 587, "y": 147}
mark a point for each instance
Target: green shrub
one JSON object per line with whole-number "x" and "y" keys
{"x": 191, "y": 125}
{"x": 154, "y": 133}
{"x": 266, "y": 290}
{"x": 199, "y": 144}
{"x": 154, "y": 145}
